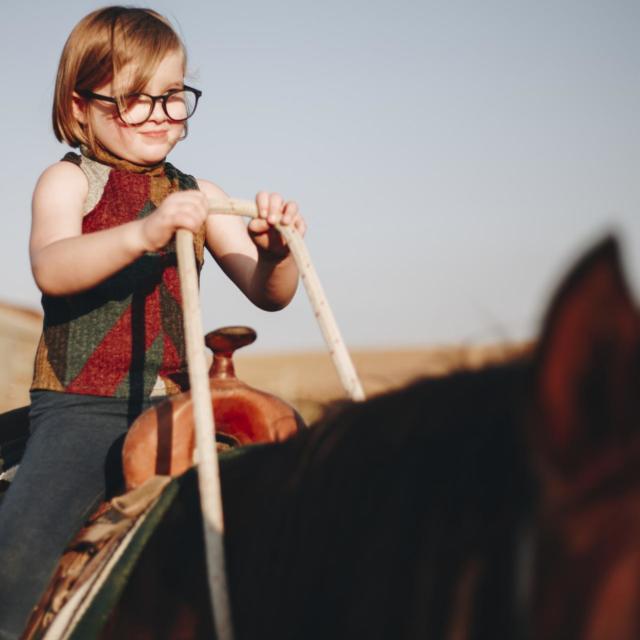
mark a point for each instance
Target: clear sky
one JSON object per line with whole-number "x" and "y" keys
{"x": 451, "y": 158}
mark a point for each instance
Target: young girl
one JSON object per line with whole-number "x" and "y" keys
{"x": 103, "y": 255}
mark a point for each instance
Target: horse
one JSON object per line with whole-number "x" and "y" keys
{"x": 495, "y": 503}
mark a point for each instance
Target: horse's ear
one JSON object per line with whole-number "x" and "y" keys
{"x": 587, "y": 366}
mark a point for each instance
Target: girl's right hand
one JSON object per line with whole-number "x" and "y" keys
{"x": 179, "y": 210}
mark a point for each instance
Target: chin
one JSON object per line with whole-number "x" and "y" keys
{"x": 153, "y": 158}
{"x": 153, "y": 153}
{"x": 158, "y": 147}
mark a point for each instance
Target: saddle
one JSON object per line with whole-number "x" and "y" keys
{"x": 161, "y": 441}
{"x": 158, "y": 446}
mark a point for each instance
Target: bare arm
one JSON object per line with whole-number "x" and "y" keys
{"x": 261, "y": 266}
{"x": 65, "y": 261}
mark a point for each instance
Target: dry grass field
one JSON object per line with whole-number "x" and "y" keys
{"x": 307, "y": 380}
{"x": 19, "y": 332}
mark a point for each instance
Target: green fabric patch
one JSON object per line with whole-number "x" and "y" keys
{"x": 153, "y": 360}
{"x": 88, "y": 329}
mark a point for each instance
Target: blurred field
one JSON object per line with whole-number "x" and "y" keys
{"x": 19, "y": 332}
{"x": 307, "y": 380}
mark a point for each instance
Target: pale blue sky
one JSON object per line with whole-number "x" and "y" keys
{"x": 451, "y": 158}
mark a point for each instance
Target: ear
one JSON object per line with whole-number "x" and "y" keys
{"x": 587, "y": 367}
{"x": 79, "y": 106}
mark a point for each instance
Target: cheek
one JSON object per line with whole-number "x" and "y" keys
{"x": 123, "y": 134}
{"x": 111, "y": 126}
{"x": 176, "y": 132}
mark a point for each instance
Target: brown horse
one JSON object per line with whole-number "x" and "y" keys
{"x": 502, "y": 503}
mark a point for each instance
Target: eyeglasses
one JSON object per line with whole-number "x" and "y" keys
{"x": 136, "y": 108}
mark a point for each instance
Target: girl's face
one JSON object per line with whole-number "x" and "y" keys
{"x": 149, "y": 142}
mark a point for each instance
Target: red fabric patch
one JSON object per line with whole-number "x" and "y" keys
{"x": 171, "y": 280}
{"x": 171, "y": 361}
{"x": 110, "y": 362}
{"x": 124, "y": 196}
{"x": 152, "y": 317}
{"x": 103, "y": 371}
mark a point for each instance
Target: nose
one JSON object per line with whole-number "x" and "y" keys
{"x": 157, "y": 112}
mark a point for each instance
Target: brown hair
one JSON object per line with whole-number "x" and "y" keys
{"x": 99, "y": 46}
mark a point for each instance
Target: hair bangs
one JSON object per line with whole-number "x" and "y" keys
{"x": 138, "y": 45}
{"x": 116, "y": 41}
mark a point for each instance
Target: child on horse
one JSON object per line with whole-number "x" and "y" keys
{"x": 103, "y": 255}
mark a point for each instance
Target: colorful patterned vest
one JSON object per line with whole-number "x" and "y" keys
{"x": 124, "y": 337}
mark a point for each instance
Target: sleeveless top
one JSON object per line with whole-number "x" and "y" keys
{"x": 124, "y": 337}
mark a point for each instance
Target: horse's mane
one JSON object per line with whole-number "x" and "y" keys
{"x": 427, "y": 482}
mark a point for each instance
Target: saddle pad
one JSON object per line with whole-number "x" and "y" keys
{"x": 116, "y": 529}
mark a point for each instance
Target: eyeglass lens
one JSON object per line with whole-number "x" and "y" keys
{"x": 178, "y": 106}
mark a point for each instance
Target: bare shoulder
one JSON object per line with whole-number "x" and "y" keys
{"x": 62, "y": 180}
{"x": 210, "y": 189}
{"x": 57, "y": 206}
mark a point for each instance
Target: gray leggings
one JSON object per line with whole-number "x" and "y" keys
{"x": 72, "y": 462}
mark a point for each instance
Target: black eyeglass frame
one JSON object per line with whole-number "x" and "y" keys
{"x": 90, "y": 95}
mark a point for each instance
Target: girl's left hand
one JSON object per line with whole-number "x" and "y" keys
{"x": 272, "y": 210}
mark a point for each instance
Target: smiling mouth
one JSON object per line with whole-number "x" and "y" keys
{"x": 161, "y": 133}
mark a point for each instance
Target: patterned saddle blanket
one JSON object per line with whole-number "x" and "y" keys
{"x": 85, "y": 584}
